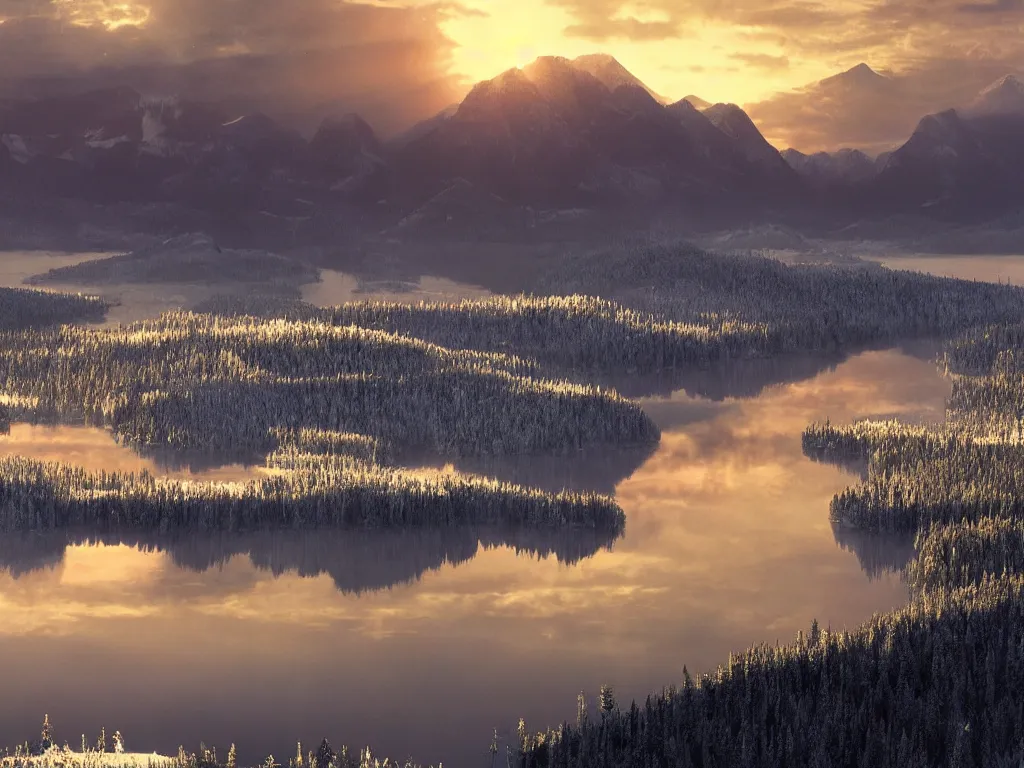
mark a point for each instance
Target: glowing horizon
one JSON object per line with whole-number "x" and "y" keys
{"x": 404, "y": 60}
{"x": 493, "y": 36}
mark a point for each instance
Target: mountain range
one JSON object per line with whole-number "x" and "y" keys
{"x": 556, "y": 135}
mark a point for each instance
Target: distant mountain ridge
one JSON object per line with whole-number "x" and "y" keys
{"x": 971, "y": 165}
{"x": 1003, "y": 97}
{"x": 557, "y": 134}
{"x": 612, "y": 74}
{"x": 830, "y": 169}
{"x": 859, "y": 76}
{"x": 552, "y": 133}
{"x": 697, "y": 102}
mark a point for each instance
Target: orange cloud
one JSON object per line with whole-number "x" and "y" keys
{"x": 299, "y": 61}
{"x": 403, "y": 60}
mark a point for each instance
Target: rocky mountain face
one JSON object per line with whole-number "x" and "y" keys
{"x": 823, "y": 170}
{"x": 737, "y": 125}
{"x": 612, "y": 74}
{"x": 956, "y": 165}
{"x": 555, "y": 136}
{"x": 697, "y": 102}
{"x": 1003, "y": 97}
{"x": 960, "y": 166}
{"x": 114, "y": 145}
{"x": 346, "y": 155}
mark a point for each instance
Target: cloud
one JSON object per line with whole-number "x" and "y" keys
{"x": 763, "y": 60}
{"x": 629, "y": 28}
{"x": 940, "y": 54}
{"x": 602, "y": 20}
{"x": 873, "y": 114}
{"x": 998, "y": 6}
{"x": 292, "y": 59}
{"x": 390, "y": 60}
{"x": 897, "y": 33}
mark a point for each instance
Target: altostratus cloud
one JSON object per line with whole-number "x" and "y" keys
{"x": 290, "y": 57}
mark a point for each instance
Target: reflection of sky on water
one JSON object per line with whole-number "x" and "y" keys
{"x": 1001, "y": 269}
{"x": 133, "y": 302}
{"x": 727, "y": 543}
{"x": 337, "y": 288}
{"x": 95, "y": 449}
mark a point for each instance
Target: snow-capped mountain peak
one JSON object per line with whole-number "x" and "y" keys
{"x": 1003, "y": 97}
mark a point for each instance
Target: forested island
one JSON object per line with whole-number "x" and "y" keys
{"x": 940, "y": 682}
{"x": 331, "y": 399}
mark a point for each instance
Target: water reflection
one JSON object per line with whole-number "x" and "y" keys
{"x": 337, "y": 288}
{"x": 879, "y": 554}
{"x": 748, "y": 378}
{"x": 994, "y": 269}
{"x": 726, "y": 379}
{"x": 727, "y": 543}
{"x": 357, "y": 561}
{"x": 599, "y": 469}
{"x": 95, "y": 449}
{"x": 16, "y": 266}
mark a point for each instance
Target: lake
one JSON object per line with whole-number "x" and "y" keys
{"x": 421, "y": 642}
{"x": 337, "y": 288}
{"x": 137, "y": 301}
{"x": 96, "y": 450}
{"x": 1002, "y": 269}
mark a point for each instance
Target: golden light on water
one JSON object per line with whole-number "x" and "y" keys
{"x": 96, "y": 450}
{"x": 688, "y": 513}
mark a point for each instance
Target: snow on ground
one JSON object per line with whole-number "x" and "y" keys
{"x": 56, "y": 758}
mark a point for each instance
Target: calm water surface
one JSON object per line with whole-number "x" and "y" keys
{"x": 133, "y": 302}
{"x": 421, "y": 642}
{"x": 95, "y": 449}
{"x": 337, "y": 288}
{"x": 1002, "y": 269}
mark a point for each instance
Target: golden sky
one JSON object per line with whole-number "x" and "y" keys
{"x": 397, "y": 61}
{"x": 767, "y": 55}
{"x": 675, "y": 50}
{"x": 698, "y": 60}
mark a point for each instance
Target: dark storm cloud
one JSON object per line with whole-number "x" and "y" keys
{"x": 291, "y": 58}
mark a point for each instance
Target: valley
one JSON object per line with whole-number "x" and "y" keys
{"x": 542, "y": 384}
{"x": 610, "y": 539}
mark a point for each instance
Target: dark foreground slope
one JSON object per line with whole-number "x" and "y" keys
{"x": 937, "y": 683}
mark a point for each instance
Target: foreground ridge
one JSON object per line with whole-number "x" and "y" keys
{"x": 940, "y": 682}
{"x": 937, "y": 683}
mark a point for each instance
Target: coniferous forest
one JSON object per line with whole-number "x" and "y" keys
{"x": 649, "y": 396}
{"x": 330, "y": 398}
{"x": 939, "y": 683}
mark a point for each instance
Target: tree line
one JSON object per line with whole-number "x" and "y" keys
{"x": 22, "y": 308}
{"x": 940, "y": 682}
{"x": 212, "y": 383}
